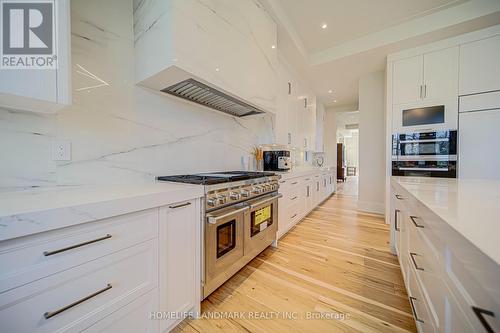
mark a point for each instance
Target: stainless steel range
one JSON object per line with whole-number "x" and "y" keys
{"x": 240, "y": 220}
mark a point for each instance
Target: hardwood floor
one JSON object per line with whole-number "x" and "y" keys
{"x": 335, "y": 263}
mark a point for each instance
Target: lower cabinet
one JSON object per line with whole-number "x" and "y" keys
{"x": 300, "y": 196}
{"x": 452, "y": 286}
{"x": 179, "y": 244}
{"x": 138, "y": 272}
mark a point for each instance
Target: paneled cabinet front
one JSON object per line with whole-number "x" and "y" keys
{"x": 452, "y": 286}
{"x": 179, "y": 244}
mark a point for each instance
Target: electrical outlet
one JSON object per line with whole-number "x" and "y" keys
{"x": 61, "y": 151}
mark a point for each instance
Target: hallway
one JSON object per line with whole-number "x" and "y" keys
{"x": 333, "y": 272}
{"x": 349, "y": 188}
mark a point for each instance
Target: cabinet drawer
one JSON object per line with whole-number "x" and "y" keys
{"x": 418, "y": 304}
{"x": 134, "y": 317}
{"x": 31, "y": 258}
{"x": 423, "y": 260}
{"x": 78, "y": 297}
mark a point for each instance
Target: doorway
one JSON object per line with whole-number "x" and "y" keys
{"x": 348, "y": 153}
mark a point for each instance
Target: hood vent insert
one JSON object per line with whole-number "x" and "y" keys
{"x": 200, "y": 93}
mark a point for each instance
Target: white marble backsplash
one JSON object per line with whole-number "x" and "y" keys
{"x": 120, "y": 133}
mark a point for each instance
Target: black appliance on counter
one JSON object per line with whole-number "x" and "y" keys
{"x": 277, "y": 160}
{"x": 425, "y": 154}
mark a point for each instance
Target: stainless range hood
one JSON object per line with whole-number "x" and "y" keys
{"x": 195, "y": 91}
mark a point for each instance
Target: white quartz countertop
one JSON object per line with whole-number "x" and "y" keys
{"x": 303, "y": 171}
{"x": 471, "y": 207}
{"x": 36, "y": 210}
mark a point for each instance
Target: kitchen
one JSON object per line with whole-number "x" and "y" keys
{"x": 177, "y": 169}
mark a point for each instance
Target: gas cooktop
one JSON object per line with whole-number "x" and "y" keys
{"x": 216, "y": 177}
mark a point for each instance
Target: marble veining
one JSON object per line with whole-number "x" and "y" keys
{"x": 119, "y": 132}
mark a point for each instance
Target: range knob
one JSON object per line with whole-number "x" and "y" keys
{"x": 256, "y": 190}
{"x": 211, "y": 202}
{"x": 234, "y": 196}
{"x": 245, "y": 193}
{"x": 221, "y": 199}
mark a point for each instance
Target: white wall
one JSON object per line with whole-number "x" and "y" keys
{"x": 352, "y": 149}
{"x": 330, "y": 138}
{"x": 119, "y": 132}
{"x": 372, "y": 143}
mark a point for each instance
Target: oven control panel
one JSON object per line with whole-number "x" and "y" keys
{"x": 233, "y": 194}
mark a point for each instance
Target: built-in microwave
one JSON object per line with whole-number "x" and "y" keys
{"x": 427, "y": 154}
{"x": 429, "y": 116}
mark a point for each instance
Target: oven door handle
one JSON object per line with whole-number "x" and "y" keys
{"x": 425, "y": 140}
{"x": 266, "y": 200}
{"x": 212, "y": 219}
{"x": 423, "y": 169}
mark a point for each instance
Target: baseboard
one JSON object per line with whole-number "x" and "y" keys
{"x": 371, "y": 207}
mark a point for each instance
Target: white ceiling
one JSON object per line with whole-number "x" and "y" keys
{"x": 350, "y": 19}
{"x": 361, "y": 33}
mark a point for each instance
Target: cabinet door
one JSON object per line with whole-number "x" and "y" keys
{"x": 441, "y": 74}
{"x": 179, "y": 260}
{"x": 284, "y": 89}
{"x": 479, "y": 66}
{"x": 407, "y": 80}
{"x": 293, "y": 108}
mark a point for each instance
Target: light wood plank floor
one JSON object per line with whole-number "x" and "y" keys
{"x": 335, "y": 263}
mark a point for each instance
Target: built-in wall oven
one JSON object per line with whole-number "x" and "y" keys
{"x": 425, "y": 154}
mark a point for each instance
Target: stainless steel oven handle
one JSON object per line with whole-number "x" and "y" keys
{"x": 423, "y": 169}
{"x": 425, "y": 140}
{"x": 212, "y": 219}
{"x": 272, "y": 198}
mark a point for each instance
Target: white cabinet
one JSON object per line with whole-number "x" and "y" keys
{"x": 440, "y": 74}
{"x": 42, "y": 90}
{"x": 452, "y": 285}
{"x": 431, "y": 76}
{"x": 479, "y": 140}
{"x": 479, "y": 66}
{"x": 407, "y": 80}
{"x": 179, "y": 228}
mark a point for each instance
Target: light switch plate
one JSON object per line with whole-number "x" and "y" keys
{"x": 61, "y": 150}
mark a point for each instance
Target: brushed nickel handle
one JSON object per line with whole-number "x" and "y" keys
{"x": 396, "y": 220}
{"x": 414, "y": 311}
{"x": 412, "y": 254}
{"x": 179, "y": 206}
{"x": 212, "y": 219}
{"x": 479, "y": 313}
{"x": 421, "y": 94}
{"x": 295, "y": 183}
{"x": 425, "y": 91}
{"x": 413, "y": 218}
{"x": 51, "y": 314}
{"x": 294, "y": 215}
{"x": 295, "y": 197}
{"x": 50, "y": 253}
{"x": 399, "y": 197}
{"x": 289, "y": 88}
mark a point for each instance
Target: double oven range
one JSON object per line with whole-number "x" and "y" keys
{"x": 425, "y": 154}
{"x": 240, "y": 220}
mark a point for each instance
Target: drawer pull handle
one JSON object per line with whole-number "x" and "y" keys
{"x": 412, "y": 254}
{"x": 413, "y": 218}
{"x": 396, "y": 227}
{"x": 414, "y": 311}
{"x": 295, "y": 183}
{"x": 399, "y": 197}
{"x": 294, "y": 198}
{"x": 294, "y": 215}
{"x": 50, "y": 253}
{"x": 179, "y": 206}
{"x": 479, "y": 313}
{"x": 51, "y": 314}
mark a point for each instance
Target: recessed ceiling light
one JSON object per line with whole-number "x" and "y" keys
{"x": 334, "y": 101}
{"x": 217, "y": 69}
{"x": 273, "y": 46}
{"x": 324, "y": 26}
{"x": 330, "y": 91}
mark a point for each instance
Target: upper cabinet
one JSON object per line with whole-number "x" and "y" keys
{"x": 47, "y": 88}
{"x": 227, "y": 45}
{"x": 480, "y": 66}
{"x": 431, "y": 76}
